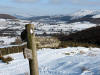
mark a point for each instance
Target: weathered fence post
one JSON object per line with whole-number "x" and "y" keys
{"x": 32, "y": 46}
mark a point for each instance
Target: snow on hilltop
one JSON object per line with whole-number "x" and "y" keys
{"x": 96, "y": 16}
{"x": 82, "y": 13}
{"x": 7, "y": 16}
{"x": 66, "y": 61}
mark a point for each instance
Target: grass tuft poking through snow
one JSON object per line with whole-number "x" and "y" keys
{"x": 6, "y": 59}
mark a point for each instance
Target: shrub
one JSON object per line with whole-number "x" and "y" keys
{"x": 6, "y": 59}
{"x": 84, "y": 69}
{"x": 86, "y": 38}
{"x": 17, "y": 41}
{"x": 90, "y": 35}
{"x": 1, "y": 57}
{"x": 67, "y": 53}
{"x": 82, "y": 52}
{"x": 65, "y": 44}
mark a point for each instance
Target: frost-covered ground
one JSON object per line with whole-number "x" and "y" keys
{"x": 65, "y": 61}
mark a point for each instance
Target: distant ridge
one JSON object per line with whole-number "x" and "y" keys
{"x": 90, "y": 35}
{"x": 7, "y": 16}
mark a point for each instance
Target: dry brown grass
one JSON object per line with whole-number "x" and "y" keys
{"x": 65, "y": 44}
{"x": 67, "y": 53}
{"x": 17, "y": 41}
{"x": 82, "y": 52}
{"x": 47, "y": 42}
{"x": 6, "y": 59}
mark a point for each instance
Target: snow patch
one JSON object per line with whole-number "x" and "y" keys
{"x": 96, "y": 16}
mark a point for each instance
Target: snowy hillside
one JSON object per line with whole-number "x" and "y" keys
{"x": 67, "y": 61}
{"x": 96, "y": 16}
{"x": 82, "y": 13}
{"x": 12, "y": 28}
{"x": 65, "y": 18}
{"x": 63, "y": 28}
{"x": 22, "y": 16}
{"x": 50, "y": 24}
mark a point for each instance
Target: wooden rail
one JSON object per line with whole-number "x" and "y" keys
{"x": 5, "y": 50}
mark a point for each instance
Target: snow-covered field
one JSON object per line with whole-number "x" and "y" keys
{"x": 6, "y": 40}
{"x": 65, "y": 28}
{"x": 65, "y": 61}
{"x": 9, "y": 28}
{"x": 40, "y": 28}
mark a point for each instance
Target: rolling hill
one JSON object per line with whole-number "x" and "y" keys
{"x": 90, "y": 35}
{"x": 7, "y": 16}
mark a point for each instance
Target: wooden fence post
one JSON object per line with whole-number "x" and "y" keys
{"x": 32, "y": 46}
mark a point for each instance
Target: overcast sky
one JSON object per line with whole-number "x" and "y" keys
{"x": 46, "y": 7}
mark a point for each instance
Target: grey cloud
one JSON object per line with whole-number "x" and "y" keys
{"x": 6, "y": 7}
{"x": 81, "y": 2}
{"x": 86, "y": 2}
{"x": 57, "y": 1}
{"x": 26, "y": 0}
